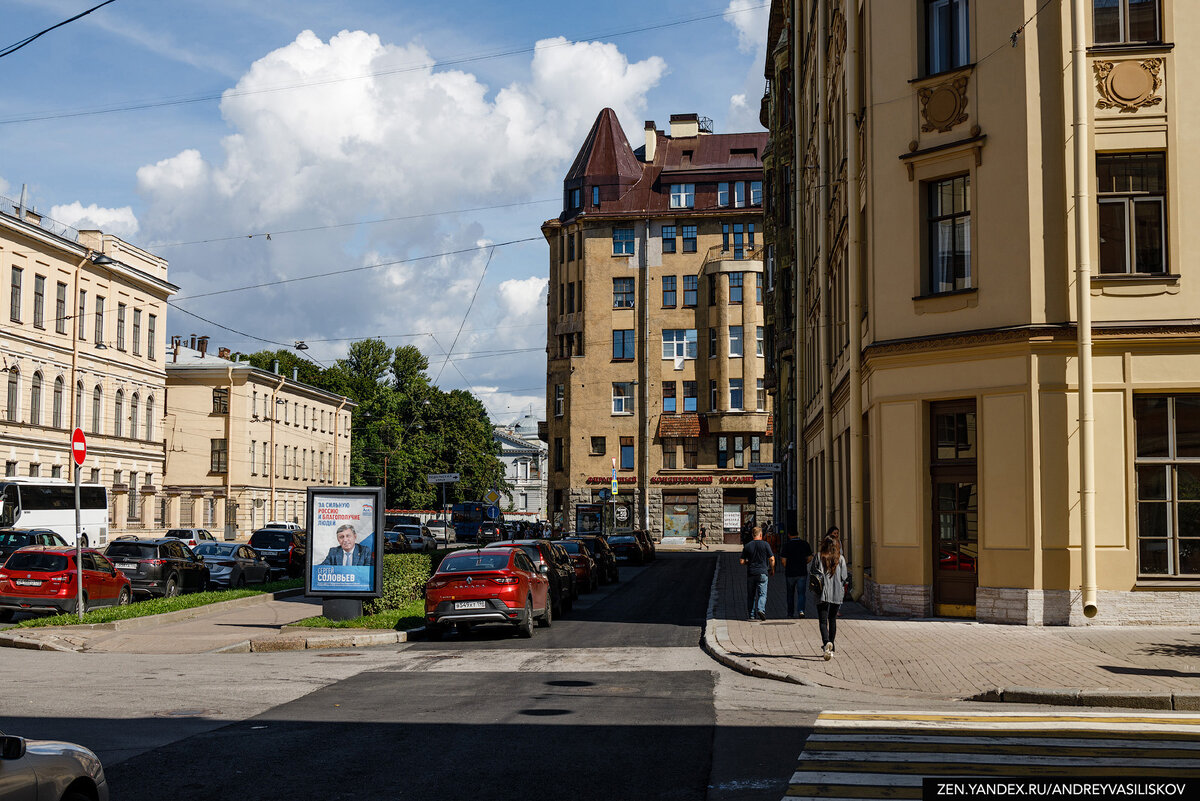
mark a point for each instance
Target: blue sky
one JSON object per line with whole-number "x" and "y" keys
{"x": 387, "y": 131}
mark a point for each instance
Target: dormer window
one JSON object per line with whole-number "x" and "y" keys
{"x": 596, "y": 197}
{"x": 683, "y": 196}
{"x": 575, "y": 199}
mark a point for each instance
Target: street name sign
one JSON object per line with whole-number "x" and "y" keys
{"x": 763, "y": 467}
{"x": 442, "y": 478}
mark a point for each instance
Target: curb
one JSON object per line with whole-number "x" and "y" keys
{"x": 347, "y": 638}
{"x": 1148, "y": 699}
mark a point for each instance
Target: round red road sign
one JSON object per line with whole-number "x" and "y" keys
{"x": 78, "y": 446}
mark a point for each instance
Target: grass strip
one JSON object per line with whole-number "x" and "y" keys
{"x": 408, "y": 616}
{"x": 158, "y": 606}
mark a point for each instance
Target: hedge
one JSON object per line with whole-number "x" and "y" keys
{"x": 404, "y": 577}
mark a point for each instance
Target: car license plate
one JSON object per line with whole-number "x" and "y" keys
{"x": 28, "y": 582}
{"x": 126, "y": 566}
{"x": 469, "y": 604}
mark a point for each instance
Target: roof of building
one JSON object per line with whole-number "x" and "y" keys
{"x": 680, "y": 425}
{"x": 186, "y": 358}
{"x": 606, "y": 152}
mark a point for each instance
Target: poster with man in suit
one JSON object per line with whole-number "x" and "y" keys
{"x": 343, "y": 542}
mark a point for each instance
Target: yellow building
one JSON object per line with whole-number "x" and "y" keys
{"x": 994, "y": 361}
{"x": 655, "y": 334}
{"x": 81, "y": 347}
{"x": 243, "y": 444}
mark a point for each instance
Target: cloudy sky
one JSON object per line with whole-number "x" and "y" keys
{"x": 421, "y": 143}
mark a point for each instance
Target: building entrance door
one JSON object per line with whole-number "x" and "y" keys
{"x": 955, "y": 512}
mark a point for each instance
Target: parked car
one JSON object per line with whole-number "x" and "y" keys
{"x": 557, "y": 568}
{"x": 587, "y": 571}
{"x": 492, "y": 585}
{"x": 13, "y": 538}
{"x": 417, "y": 539}
{"x": 284, "y": 549}
{"x": 162, "y": 566}
{"x": 42, "y": 578}
{"x": 283, "y": 524}
{"x": 190, "y": 536}
{"x": 46, "y": 769}
{"x": 647, "y": 545}
{"x": 441, "y": 531}
{"x": 606, "y": 560}
{"x": 489, "y": 532}
{"x": 231, "y": 564}
{"x": 627, "y": 548}
{"x": 395, "y": 542}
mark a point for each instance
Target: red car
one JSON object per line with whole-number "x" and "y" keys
{"x": 41, "y": 578}
{"x": 587, "y": 573}
{"x": 487, "y": 586}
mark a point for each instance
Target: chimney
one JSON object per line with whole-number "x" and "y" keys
{"x": 685, "y": 125}
{"x": 176, "y": 340}
{"x": 202, "y": 343}
{"x": 651, "y": 141}
{"x": 21, "y": 205}
{"x": 192, "y": 342}
{"x": 275, "y": 366}
{"x": 175, "y": 350}
{"x": 295, "y": 373}
{"x": 223, "y": 352}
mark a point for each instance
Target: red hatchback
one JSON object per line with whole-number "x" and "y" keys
{"x": 41, "y": 579}
{"x": 487, "y": 586}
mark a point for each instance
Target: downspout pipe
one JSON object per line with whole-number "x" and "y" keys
{"x": 853, "y": 278}
{"x": 822, "y": 225}
{"x": 274, "y": 467}
{"x": 1083, "y": 303}
{"x": 797, "y": 455}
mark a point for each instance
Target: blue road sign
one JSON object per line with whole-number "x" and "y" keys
{"x": 763, "y": 476}
{"x": 604, "y": 495}
{"x": 493, "y": 512}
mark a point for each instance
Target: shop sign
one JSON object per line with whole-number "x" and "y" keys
{"x": 607, "y": 479}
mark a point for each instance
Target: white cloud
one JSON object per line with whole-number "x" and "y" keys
{"x": 749, "y": 18}
{"x": 121, "y": 222}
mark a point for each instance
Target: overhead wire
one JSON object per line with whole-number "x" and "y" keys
{"x": 15, "y": 46}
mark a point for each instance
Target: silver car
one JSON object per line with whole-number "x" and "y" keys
{"x": 46, "y": 770}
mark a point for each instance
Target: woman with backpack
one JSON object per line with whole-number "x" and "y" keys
{"x": 827, "y": 578}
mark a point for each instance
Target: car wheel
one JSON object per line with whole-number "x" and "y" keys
{"x": 525, "y": 628}
{"x": 82, "y": 606}
{"x": 547, "y": 619}
{"x": 241, "y": 582}
{"x": 6, "y": 615}
{"x": 75, "y": 795}
{"x": 266, "y": 576}
{"x": 433, "y": 631}
{"x": 125, "y": 597}
{"x": 172, "y": 588}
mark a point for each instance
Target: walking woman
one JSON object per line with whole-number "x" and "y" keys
{"x": 829, "y": 572}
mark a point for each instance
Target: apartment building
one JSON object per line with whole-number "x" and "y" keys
{"x": 81, "y": 347}
{"x": 985, "y": 338}
{"x": 243, "y": 444}
{"x": 655, "y": 333}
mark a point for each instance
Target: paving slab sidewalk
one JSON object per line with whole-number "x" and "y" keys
{"x": 1126, "y": 666}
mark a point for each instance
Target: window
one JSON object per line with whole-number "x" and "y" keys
{"x": 99, "y": 337}
{"x": 669, "y": 396}
{"x": 622, "y": 239}
{"x": 758, "y": 341}
{"x": 735, "y": 288}
{"x": 576, "y": 198}
{"x": 723, "y": 194}
{"x": 570, "y": 247}
{"x": 762, "y": 395}
{"x": 946, "y": 40}
{"x": 722, "y": 452}
{"x": 35, "y": 470}
{"x": 690, "y": 393}
{"x": 220, "y": 400}
{"x": 691, "y": 285}
{"x": 119, "y": 414}
{"x": 1168, "y": 483}
{"x": 120, "y": 326}
{"x": 150, "y": 323}
{"x": 558, "y": 454}
{"x": 758, "y": 287}
{"x": 689, "y": 239}
{"x": 669, "y": 447}
{"x": 149, "y": 419}
{"x": 39, "y": 301}
{"x": 1132, "y": 190}
{"x": 1116, "y": 21}
{"x": 691, "y": 452}
{"x": 10, "y": 468}
{"x": 56, "y": 471}
{"x": 626, "y": 453}
{"x": 949, "y": 235}
{"x": 712, "y": 289}
{"x": 97, "y": 395}
{"x": 623, "y": 344}
{"x": 137, "y": 332}
{"x": 14, "y": 310}
{"x": 56, "y": 418}
{"x": 622, "y": 293}
{"x": 712, "y": 396}
{"x": 683, "y": 196}
{"x": 739, "y": 452}
{"x": 134, "y": 406}
{"x": 737, "y": 237}
{"x": 756, "y": 193}
{"x": 81, "y": 315}
{"x": 219, "y": 455}
{"x": 668, "y": 290}
{"x": 571, "y": 298}
{"x": 679, "y": 343}
{"x": 668, "y": 239}
{"x": 286, "y": 463}
{"x": 558, "y": 401}
{"x": 712, "y": 343}
{"x": 60, "y": 309}
{"x": 596, "y": 197}
{"x": 35, "y": 400}
{"x": 599, "y": 446}
{"x": 735, "y": 341}
{"x": 735, "y": 393}
{"x": 739, "y": 194}
{"x": 622, "y": 397}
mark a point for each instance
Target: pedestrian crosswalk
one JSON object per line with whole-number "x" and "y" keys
{"x": 888, "y": 754}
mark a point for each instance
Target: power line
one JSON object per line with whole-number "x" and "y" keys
{"x": 466, "y": 314}
{"x": 15, "y": 46}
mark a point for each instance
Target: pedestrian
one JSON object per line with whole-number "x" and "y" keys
{"x": 702, "y": 537}
{"x": 797, "y": 555}
{"x": 759, "y": 560}
{"x": 829, "y": 585}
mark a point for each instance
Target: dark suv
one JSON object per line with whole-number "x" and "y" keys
{"x": 163, "y": 567}
{"x": 285, "y": 550}
{"x": 555, "y": 564}
{"x": 13, "y": 538}
{"x": 606, "y": 560}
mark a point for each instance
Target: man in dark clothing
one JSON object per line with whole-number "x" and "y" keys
{"x": 797, "y": 554}
{"x": 759, "y": 560}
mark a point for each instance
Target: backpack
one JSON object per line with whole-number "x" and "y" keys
{"x": 816, "y": 582}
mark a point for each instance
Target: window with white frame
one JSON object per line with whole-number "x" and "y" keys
{"x": 735, "y": 341}
{"x": 723, "y": 194}
{"x": 761, "y": 392}
{"x": 622, "y": 241}
{"x": 683, "y": 196}
{"x": 758, "y": 341}
{"x": 679, "y": 343}
{"x": 558, "y": 399}
{"x": 622, "y": 397}
{"x": 1132, "y": 193}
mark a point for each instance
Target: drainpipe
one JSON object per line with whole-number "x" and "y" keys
{"x": 822, "y": 224}
{"x": 1083, "y": 303}
{"x": 853, "y": 278}
{"x": 337, "y": 421}
{"x": 796, "y": 458}
{"x": 228, "y": 466}
{"x": 76, "y": 322}
{"x": 644, "y": 379}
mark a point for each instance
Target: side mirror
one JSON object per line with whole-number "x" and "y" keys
{"x": 543, "y": 568}
{"x": 12, "y": 747}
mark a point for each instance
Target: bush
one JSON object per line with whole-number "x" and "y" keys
{"x": 404, "y": 577}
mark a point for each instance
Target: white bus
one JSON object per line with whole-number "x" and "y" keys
{"x": 50, "y": 503}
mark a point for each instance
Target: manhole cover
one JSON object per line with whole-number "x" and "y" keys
{"x": 330, "y": 656}
{"x": 185, "y": 713}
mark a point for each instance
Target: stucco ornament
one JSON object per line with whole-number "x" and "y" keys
{"x": 945, "y": 105}
{"x": 1128, "y": 85}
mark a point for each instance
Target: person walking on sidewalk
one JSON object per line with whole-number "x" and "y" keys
{"x": 702, "y": 537}
{"x": 759, "y": 560}
{"x": 796, "y": 556}
{"x": 829, "y": 568}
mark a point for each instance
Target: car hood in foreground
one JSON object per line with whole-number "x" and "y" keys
{"x": 58, "y": 764}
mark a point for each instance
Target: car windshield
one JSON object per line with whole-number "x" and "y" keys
{"x": 215, "y": 548}
{"x": 130, "y": 550}
{"x": 622, "y": 538}
{"x": 270, "y": 539}
{"x": 182, "y": 533}
{"x": 572, "y": 547}
{"x": 37, "y": 562}
{"x": 475, "y": 561}
{"x": 408, "y": 531}
{"x": 9, "y": 539}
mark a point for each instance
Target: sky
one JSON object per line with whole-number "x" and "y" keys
{"x": 402, "y": 156}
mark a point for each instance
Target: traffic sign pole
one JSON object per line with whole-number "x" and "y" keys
{"x": 78, "y": 454}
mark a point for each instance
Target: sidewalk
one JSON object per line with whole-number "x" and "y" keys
{"x": 1128, "y": 666}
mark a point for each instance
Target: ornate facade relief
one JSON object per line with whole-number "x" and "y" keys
{"x": 944, "y": 105}
{"x": 1128, "y": 85}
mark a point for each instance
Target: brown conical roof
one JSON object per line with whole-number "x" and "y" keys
{"x": 606, "y": 155}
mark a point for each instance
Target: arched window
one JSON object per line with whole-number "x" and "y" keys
{"x": 14, "y": 398}
{"x": 57, "y": 419}
{"x": 133, "y": 416}
{"x": 119, "y": 414}
{"x": 150, "y": 418}
{"x": 35, "y": 400}
{"x": 79, "y": 405}
{"x": 97, "y": 395}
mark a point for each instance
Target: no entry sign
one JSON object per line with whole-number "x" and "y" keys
{"x": 78, "y": 446}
